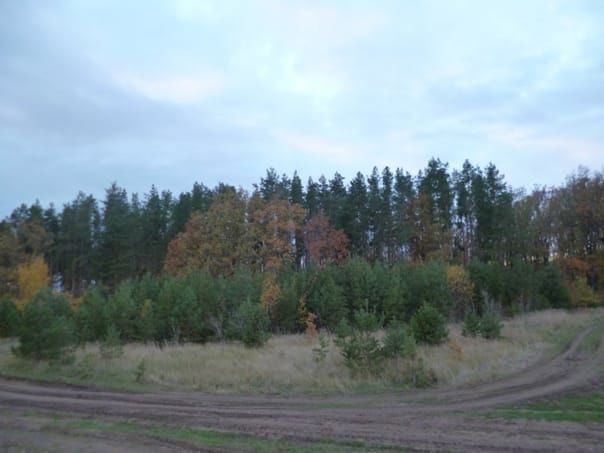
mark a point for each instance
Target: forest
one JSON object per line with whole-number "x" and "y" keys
{"x": 210, "y": 263}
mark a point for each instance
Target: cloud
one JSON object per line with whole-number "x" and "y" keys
{"x": 578, "y": 150}
{"x": 196, "y": 11}
{"x": 319, "y": 147}
{"x": 304, "y": 24}
{"x": 175, "y": 88}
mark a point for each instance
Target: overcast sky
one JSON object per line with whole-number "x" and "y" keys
{"x": 172, "y": 92}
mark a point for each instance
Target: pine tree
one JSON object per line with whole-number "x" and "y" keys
{"x": 115, "y": 248}
{"x": 356, "y": 224}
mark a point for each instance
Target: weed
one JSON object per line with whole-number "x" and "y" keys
{"x": 140, "y": 372}
{"x": 321, "y": 351}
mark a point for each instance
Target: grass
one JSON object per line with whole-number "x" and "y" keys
{"x": 579, "y": 407}
{"x": 525, "y": 339}
{"x": 286, "y": 363}
{"x": 199, "y": 437}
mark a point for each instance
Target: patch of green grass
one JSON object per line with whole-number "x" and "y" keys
{"x": 571, "y": 407}
{"x": 207, "y": 438}
{"x": 74, "y": 370}
{"x": 593, "y": 339}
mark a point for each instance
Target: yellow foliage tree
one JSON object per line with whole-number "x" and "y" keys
{"x": 31, "y": 276}
{"x": 274, "y": 225}
{"x": 216, "y": 240}
{"x": 582, "y": 295}
{"x": 462, "y": 289}
{"x": 270, "y": 292}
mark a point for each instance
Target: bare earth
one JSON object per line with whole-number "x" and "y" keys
{"x": 441, "y": 419}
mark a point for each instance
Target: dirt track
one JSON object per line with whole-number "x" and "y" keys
{"x": 427, "y": 420}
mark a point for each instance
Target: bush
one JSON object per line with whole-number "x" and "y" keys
{"x": 47, "y": 330}
{"x": 122, "y": 311}
{"x": 319, "y": 353}
{"x": 362, "y": 352}
{"x": 398, "y": 342}
{"x": 471, "y": 325}
{"x": 426, "y": 284}
{"x": 111, "y": 346}
{"x": 253, "y": 324}
{"x": 552, "y": 287}
{"x": 429, "y": 326}
{"x": 490, "y": 327}
{"x": 325, "y": 298}
{"x": 488, "y": 281}
{"x": 583, "y": 295}
{"x": 92, "y": 316}
{"x": 140, "y": 372}
{"x": 9, "y": 319}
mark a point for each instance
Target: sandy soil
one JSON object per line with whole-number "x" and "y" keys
{"x": 419, "y": 420}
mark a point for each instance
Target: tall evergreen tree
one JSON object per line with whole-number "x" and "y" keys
{"x": 76, "y": 249}
{"x": 464, "y": 218}
{"x": 356, "y": 221}
{"x": 312, "y": 200}
{"x": 115, "y": 248}
{"x": 335, "y": 201}
{"x": 387, "y": 216}
{"x": 404, "y": 194}
{"x": 374, "y": 205}
{"x": 155, "y": 217}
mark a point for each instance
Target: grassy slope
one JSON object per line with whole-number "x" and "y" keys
{"x": 286, "y": 364}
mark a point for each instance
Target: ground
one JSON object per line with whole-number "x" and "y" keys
{"x": 523, "y": 411}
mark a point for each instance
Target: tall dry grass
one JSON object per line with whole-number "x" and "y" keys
{"x": 286, "y": 363}
{"x": 525, "y": 340}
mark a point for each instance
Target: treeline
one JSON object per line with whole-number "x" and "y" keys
{"x": 386, "y": 218}
{"x": 389, "y": 217}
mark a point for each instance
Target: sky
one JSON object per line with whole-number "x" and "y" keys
{"x": 168, "y": 93}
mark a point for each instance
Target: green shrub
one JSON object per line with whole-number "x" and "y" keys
{"x": 47, "y": 330}
{"x": 325, "y": 298}
{"x": 92, "y": 316}
{"x": 553, "y": 289}
{"x": 471, "y": 325}
{"x": 426, "y": 284}
{"x": 111, "y": 345}
{"x": 253, "y": 324}
{"x": 490, "y": 327}
{"x": 140, "y": 372}
{"x": 360, "y": 348}
{"x": 398, "y": 342}
{"x": 319, "y": 353}
{"x": 429, "y": 326}
{"x": 487, "y": 326}
{"x": 122, "y": 311}
{"x": 9, "y": 319}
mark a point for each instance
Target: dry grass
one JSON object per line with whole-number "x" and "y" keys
{"x": 525, "y": 339}
{"x": 286, "y": 363}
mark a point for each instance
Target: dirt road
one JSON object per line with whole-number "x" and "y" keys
{"x": 438, "y": 419}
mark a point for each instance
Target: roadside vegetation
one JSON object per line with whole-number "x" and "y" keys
{"x": 289, "y": 363}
